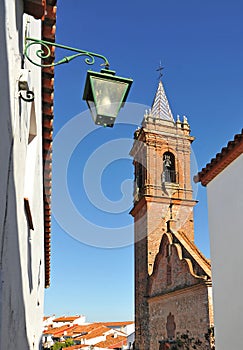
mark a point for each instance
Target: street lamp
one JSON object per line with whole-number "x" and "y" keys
{"x": 104, "y": 92}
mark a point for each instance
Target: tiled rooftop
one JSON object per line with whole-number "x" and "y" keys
{"x": 97, "y": 332}
{"x": 48, "y": 33}
{"x": 57, "y": 331}
{"x": 91, "y": 332}
{"x": 117, "y": 324}
{"x": 112, "y": 342}
{"x": 66, "y": 318}
{"x": 227, "y": 155}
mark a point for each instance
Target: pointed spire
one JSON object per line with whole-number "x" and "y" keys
{"x": 161, "y": 108}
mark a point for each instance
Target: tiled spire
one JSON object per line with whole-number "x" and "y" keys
{"x": 161, "y": 108}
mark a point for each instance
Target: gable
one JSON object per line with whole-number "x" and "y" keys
{"x": 175, "y": 268}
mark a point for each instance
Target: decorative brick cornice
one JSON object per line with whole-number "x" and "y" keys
{"x": 227, "y": 155}
{"x": 48, "y": 33}
{"x": 180, "y": 291}
{"x": 35, "y": 8}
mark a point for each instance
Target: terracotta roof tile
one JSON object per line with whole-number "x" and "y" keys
{"x": 117, "y": 324}
{"x": 51, "y": 12}
{"x": 112, "y": 342}
{"x": 227, "y": 155}
{"x": 56, "y": 331}
{"x": 66, "y": 318}
{"x": 96, "y": 332}
{"x": 76, "y": 347}
{"x": 48, "y": 33}
{"x": 46, "y": 318}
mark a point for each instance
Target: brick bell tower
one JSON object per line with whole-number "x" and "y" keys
{"x": 162, "y": 195}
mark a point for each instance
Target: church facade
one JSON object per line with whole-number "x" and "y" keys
{"x": 173, "y": 287}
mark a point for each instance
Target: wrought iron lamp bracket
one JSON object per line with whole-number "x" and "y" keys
{"x": 45, "y": 52}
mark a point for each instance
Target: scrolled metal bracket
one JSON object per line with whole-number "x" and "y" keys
{"x": 45, "y": 52}
{"x": 30, "y": 96}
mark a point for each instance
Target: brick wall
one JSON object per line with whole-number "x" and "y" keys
{"x": 189, "y": 307}
{"x": 156, "y": 202}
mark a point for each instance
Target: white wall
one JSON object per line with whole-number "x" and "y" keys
{"x": 78, "y": 321}
{"x": 129, "y": 328}
{"x": 48, "y": 321}
{"x": 225, "y": 207}
{"x": 21, "y": 249}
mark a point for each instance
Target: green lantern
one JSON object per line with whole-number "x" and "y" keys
{"x": 105, "y": 94}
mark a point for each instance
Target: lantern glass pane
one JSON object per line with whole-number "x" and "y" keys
{"x": 108, "y": 96}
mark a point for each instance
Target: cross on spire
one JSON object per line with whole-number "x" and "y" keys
{"x": 160, "y": 70}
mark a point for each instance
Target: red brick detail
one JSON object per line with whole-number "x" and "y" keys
{"x": 48, "y": 34}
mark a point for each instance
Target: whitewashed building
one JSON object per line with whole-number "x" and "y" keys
{"x": 25, "y": 142}
{"x": 223, "y": 177}
{"x": 69, "y": 320}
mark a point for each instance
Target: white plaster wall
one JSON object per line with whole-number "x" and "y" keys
{"x": 48, "y": 321}
{"x": 21, "y": 249}
{"x": 130, "y": 340}
{"x": 129, "y": 329}
{"x": 225, "y": 207}
{"x": 80, "y": 321}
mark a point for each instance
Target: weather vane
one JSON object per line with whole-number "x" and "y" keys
{"x": 160, "y": 70}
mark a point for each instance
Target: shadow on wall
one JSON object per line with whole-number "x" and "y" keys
{"x": 13, "y": 334}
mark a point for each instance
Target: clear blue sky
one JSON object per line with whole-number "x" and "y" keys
{"x": 200, "y": 46}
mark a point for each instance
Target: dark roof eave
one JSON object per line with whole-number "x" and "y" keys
{"x": 35, "y": 8}
{"x": 48, "y": 33}
{"x": 227, "y": 155}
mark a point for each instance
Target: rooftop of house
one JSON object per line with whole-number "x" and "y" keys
{"x": 56, "y": 331}
{"x": 117, "y": 324}
{"x": 226, "y": 156}
{"x": 67, "y": 318}
{"x": 112, "y": 338}
{"x": 112, "y": 342}
{"x": 99, "y": 331}
{"x": 76, "y": 347}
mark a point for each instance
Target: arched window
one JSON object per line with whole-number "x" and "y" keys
{"x": 140, "y": 173}
{"x": 139, "y": 176}
{"x": 169, "y": 173}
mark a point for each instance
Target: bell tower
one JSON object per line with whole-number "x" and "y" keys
{"x": 163, "y": 198}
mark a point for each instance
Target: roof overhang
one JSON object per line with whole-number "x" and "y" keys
{"x": 227, "y": 155}
{"x": 48, "y": 34}
{"x": 35, "y": 8}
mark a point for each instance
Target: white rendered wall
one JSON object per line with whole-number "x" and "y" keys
{"x": 21, "y": 249}
{"x": 225, "y": 208}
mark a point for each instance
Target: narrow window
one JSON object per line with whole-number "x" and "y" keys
{"x": 169, "y": 281}
{"x": 139, "y": 176}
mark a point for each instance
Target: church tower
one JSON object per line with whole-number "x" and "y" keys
{"x": 163, "y": 198}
